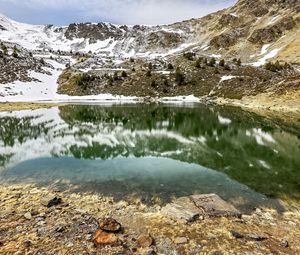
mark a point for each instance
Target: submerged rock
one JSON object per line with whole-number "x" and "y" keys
{"x": 110, "y": 225}
{"x": 199, "y": 206}
{"x": 212, "y": 205}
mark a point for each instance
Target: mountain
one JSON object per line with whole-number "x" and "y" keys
{"x": 226, "y": 54}
{"x": 250, "y": 29}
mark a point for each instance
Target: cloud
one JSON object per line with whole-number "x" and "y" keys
{"x": 116, "y": 11}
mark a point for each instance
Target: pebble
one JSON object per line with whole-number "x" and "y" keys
{"x": 28, "y": 216}
{"x": 145, "y": 240}
{"x": 180, "y": 240}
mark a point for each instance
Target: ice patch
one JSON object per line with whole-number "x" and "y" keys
{"x": 263, "y": 60}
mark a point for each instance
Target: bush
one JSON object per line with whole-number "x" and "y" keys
{"x": 150, "y": 66}
{"x": 212, "y": 62}
{"x": 153, "y": 84}
{"x": 189, "y": 55}
{"x": 131, "y": 60}
{"x": 275, "y": 67}
{"x": 179, "y": 77}
{"x": 170, "y": 66}
{"x": 42, "y": 61}
{"x": 148, "y": 73}
{"x": 124, "y": 74}
{"x": 4, "y": 48}
{"x": 239, "y": 62}
{"x": 198, "y": 63}
{"x": 227, "y": 67}
{"x": 15, "y": 52}
{"x": 116, "y": 76}
{"x": 222, "y": 63}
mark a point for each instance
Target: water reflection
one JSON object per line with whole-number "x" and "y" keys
{"x": 251, "y": 150}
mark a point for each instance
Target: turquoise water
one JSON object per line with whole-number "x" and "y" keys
{"x": 153, "y": 151}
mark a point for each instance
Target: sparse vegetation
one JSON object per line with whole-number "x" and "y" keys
{"x": 276, "y": 67}
{"x": 189, "y": 55}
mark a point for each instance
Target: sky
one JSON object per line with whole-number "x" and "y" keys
{"x": 63, "y": 12}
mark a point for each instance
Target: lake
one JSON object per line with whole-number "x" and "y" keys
{"x": 153, "y": 152}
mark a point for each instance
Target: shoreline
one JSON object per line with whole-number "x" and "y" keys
{"x": 28, "y": 227}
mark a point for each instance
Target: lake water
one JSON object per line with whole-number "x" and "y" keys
{"x": 153, "y": 152}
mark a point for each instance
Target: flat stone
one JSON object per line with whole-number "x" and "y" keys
{"x": 181, "y": 209}
{"x": 102, "y": 238}
{"x": 213, "y": 206}
{"x": 50, "y": 201}
{"x": 110, "y": 225}
{"x": 145, "y": 240}
{"x": 180, "y": 240}
{"x": 257, "y": 238}
{"x": 194, "y": 207}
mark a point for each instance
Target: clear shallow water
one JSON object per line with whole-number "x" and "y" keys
{"x": 153, "y": 151}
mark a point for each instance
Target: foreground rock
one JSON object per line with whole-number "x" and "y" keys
{"x": 199, "y": 206}
{"x": 110, "y": 225}
{"x": 103, "y": 238}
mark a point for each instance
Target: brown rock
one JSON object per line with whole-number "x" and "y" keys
{"x": 103, "y": 238}
{"x": 110, "y": 225}
{"x": 145, "y": 240}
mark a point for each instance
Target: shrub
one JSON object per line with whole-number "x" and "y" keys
{"x": 116, "y": 76}
{"x": 189, "y": 55}
{"x": 15, "y": 52}
{"x": 179, "y": 76}
{"x": 222, "y": 63}
{"x": 212, "y": 62}
{"x": 170, "y": 66}
{"x": 4, "y": 48}
{"x": 239, "y": 62}
{"x": 153, "y": 84}
{"x": 198, "y": 63}
{"x": 124, "y": 74}
{"x": 131, "y": 60}
{"x": 227, "y": 67}
{"x": 150, "y": 66}
{"x": 148, "y": 73}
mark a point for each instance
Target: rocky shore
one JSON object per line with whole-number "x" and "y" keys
{"x": 35, "y": 220}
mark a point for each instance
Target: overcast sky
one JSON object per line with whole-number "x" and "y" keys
{"x": 62, "y": 12}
